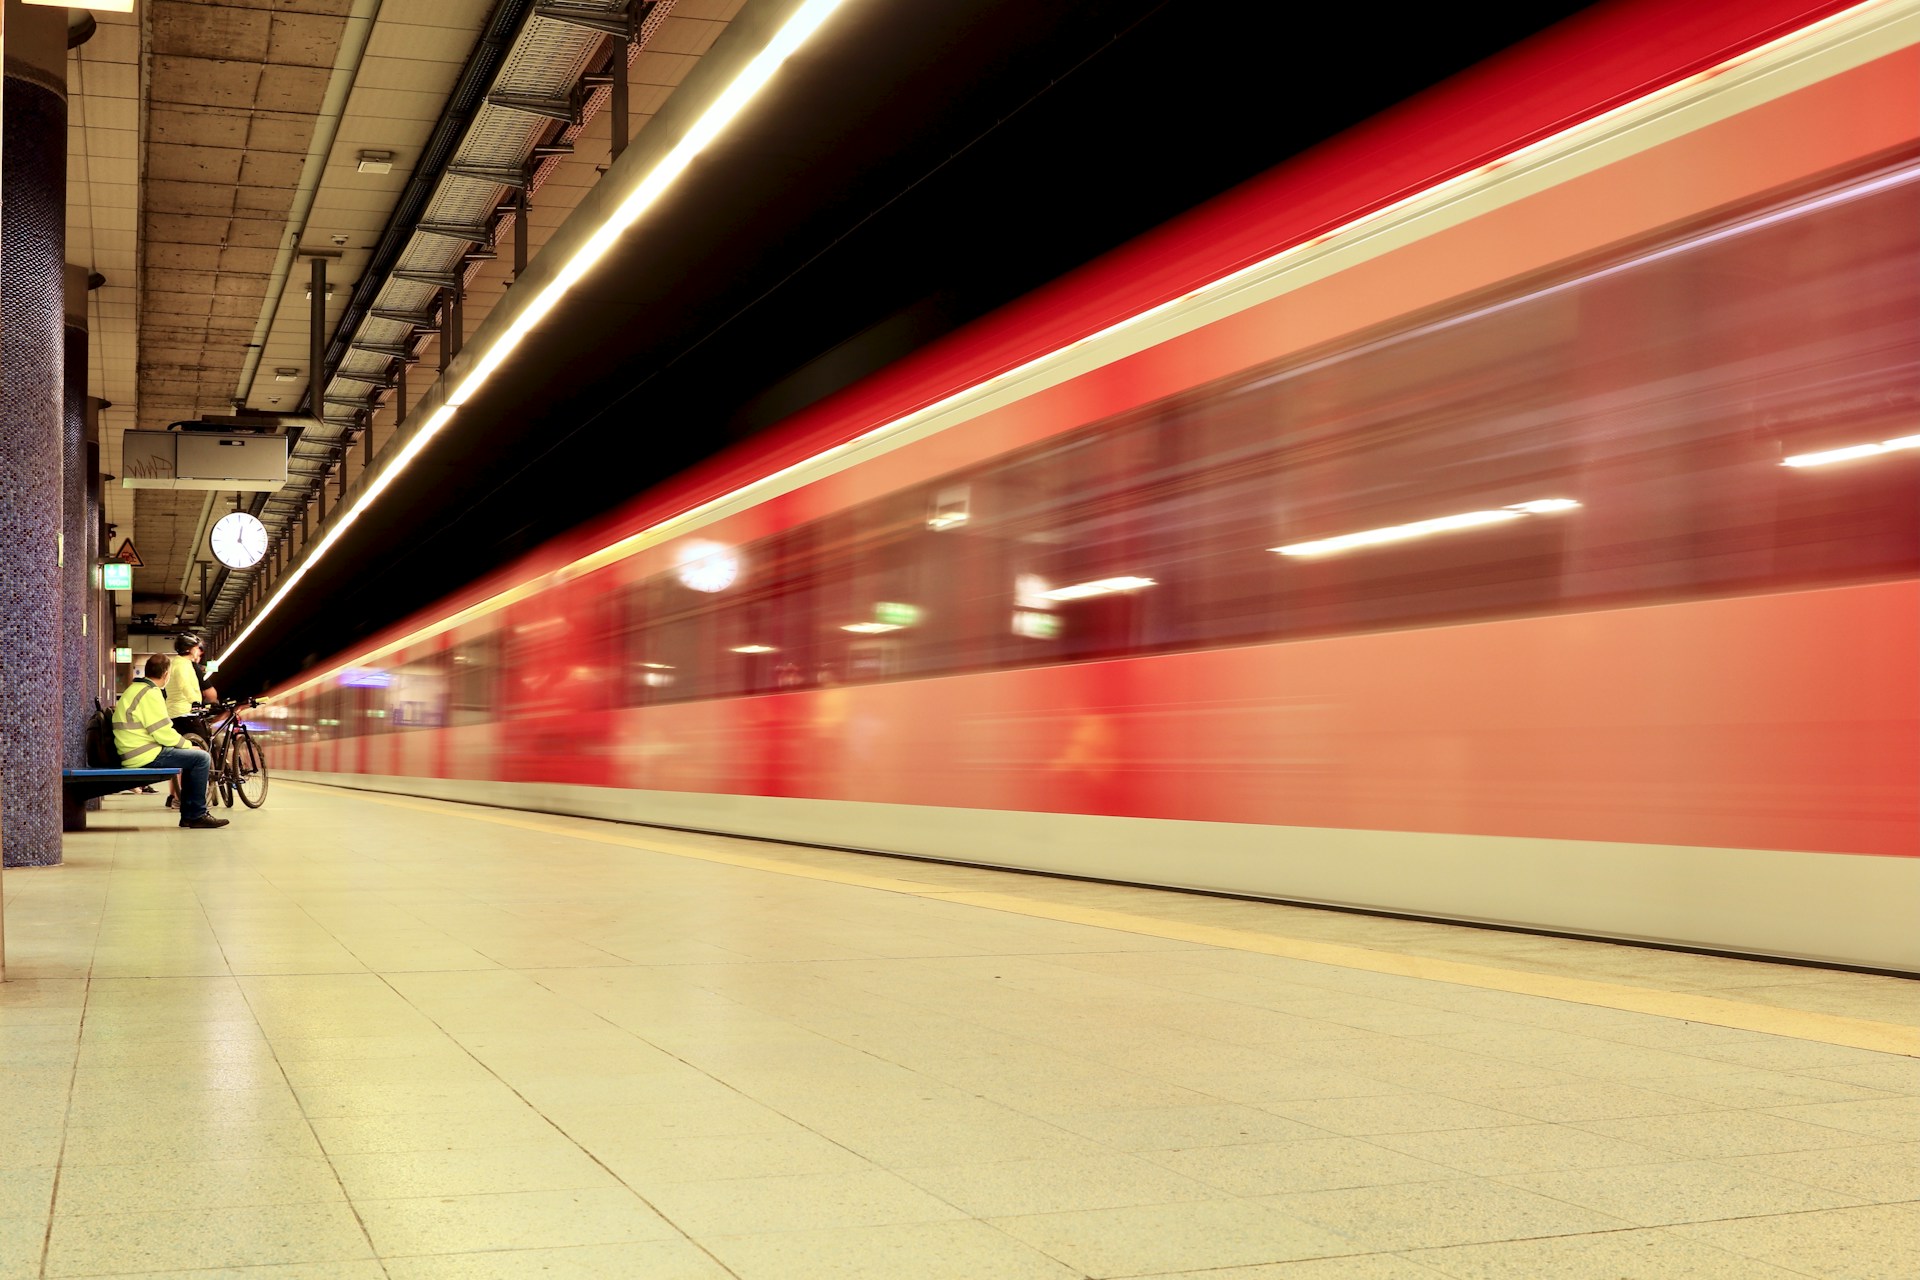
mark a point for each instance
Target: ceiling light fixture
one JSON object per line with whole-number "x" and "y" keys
{"x": 376, "y": 162}
{"x": 105, "y": 6}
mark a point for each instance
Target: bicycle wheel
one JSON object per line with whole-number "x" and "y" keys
{"x": 218, "y": 788}
{"x": 248, "y": 769}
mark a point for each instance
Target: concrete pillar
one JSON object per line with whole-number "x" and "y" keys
{"x": 33, "y": 175}
{"x": 78, "y": 668}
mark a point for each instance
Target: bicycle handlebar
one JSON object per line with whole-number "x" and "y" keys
{"x": 221, "y": 708}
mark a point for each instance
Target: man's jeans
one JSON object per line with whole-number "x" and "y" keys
{"x": 193, "y": 765}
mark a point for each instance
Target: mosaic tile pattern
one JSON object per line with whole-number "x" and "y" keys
{"x": 79, "y": 653}
{"x": 32, "y": 276}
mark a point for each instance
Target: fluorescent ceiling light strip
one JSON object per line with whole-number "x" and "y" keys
{"x": 1426, "y": 528}
{"x": 712, "y": 122}
{"x": 718, "y": 115}
{"x": 1102, "y": 587}
{"x": 1851, "y": 452}
{"x": 694, "y": 516}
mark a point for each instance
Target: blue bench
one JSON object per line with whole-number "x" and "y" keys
{"x": 77, "y": 786}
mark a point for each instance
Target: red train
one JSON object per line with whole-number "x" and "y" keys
{"x": 1506, "y": 512}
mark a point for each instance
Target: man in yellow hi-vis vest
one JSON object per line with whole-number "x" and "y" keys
{"x": 144, "y": 736}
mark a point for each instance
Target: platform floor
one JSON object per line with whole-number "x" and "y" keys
{"x": 361, "y": 1036}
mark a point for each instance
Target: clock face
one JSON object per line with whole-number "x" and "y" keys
{"x": 239, "y": 540}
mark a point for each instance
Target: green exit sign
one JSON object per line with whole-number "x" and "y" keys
{"x": 115, "y": 576}
{"x": 123, "y": 654}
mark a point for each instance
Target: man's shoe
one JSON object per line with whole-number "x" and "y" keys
{"x": 205, "y": 823}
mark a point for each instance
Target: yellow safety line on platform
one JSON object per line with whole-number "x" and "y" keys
{"x": 1802, "y": 1024}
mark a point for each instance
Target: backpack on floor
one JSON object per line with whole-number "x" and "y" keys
{"x": 101, "y": 753}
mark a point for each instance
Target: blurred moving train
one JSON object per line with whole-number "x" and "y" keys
{"x": 1507, "y": 512}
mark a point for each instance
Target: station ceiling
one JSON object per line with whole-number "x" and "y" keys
{"x": 924, "y": 163}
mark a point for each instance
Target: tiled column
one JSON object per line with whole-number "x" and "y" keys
{"x": 78, "y": 677}
{"x": 33, "y": 173}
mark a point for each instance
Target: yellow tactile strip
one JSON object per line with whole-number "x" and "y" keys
{"x": 1858, "y": 1033}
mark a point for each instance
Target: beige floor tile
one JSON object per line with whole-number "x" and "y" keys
{"x": 103, "y": 1244}
{"x": 923, "y": 1250}
{"x": 256, "y": 1071}
{"x": 1174, "y": 1128}
{"x": 553, "y": 1165}
{"x": 1572, "y": 1103}
{"x": 183, "y": 1185}
{"x": 29, "y": 1146}
{"x": 648, "y": 1260}
{"x": 1884, "y": 1173}
{"x": 1366, "y": 1266}
{"x": 1150, "y": 1239}
{"x": 740, "y": 1206}
{"x": 1021, "y": 1187}
{"x": 165, "y": 1031}
{"x": 177, "y": 1055}
{"x": 430, "y": 1094}
{"x": 21, "y": 1240}
{"x": 1890, "y": 1073}
{"x": 436, "y": 1131}
{"x": 1531, "y": 1148}
{"x": 1716, "y": 1134}
{"x": 143, "y": 1142}
{"x": 298, "y": 1050}
{"x": 27, "y": 1192}
{"x": 1614, "y": 1255}
{"x": 512, "y": 1220}
{"x": 1696, "y": 1191}
{"x": 1884, "y": 1119}
{"x": 184, "y": 1108}
{"x": 600, "y": 1127}
{"x": 1755, "y": 1089}
{"x": 964, "y": 1143}
{"x": 1881, "y": 1242}
{"x": 750, "y": 1155}
{"x": 1390, "y": 1113}
{"x": 449, "y": 1066}
{"x": 1420, "y": 1215}
{"x": 360, "y": 1269}
{"x": 1321, "y": 1164}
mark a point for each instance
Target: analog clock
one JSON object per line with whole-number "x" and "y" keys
{"x": 239, "y": 540}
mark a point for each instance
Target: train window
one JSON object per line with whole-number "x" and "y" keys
{"x": 473, "y": 667}
{"x": 1610, "y": 431}
{"x": 417, "y": 699}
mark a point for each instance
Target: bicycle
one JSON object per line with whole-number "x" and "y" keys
{"x": 239, "y": 763}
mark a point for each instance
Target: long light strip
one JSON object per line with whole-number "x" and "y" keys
{"x": 1425, "y": 528}
{"x": 694, "y": 516}
{"x": 712, "y": 122}
{"x": 1851, "y": 452}
{"x": 1101, "y": 587}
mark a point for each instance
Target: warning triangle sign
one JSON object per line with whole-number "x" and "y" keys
{"x": 127, "y": 555}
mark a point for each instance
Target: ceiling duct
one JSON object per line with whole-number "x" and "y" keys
{"x": 521, "y": 103}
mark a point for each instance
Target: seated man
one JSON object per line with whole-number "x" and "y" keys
{"x": 184, "y": 694}
{"x": 145, "y": 738}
